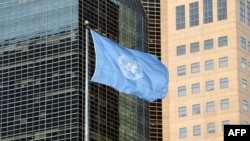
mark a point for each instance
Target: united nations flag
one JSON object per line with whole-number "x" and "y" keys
{"x": 129, "y": 71}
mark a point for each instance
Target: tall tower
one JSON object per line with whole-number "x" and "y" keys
{"x": 42, "y": 76}
{"x": 152, "y": 9}
{"x": 207, "y": 47}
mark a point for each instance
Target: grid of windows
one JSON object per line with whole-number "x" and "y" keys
{"x": 207, "y": 11}
{"x": 194, "y": 14}
{"x": 38, "y": 70}
{"x": 42, "y": 76}
{"x": 242, "y": 10}
{"x": 221, "y": 9}
{"x": 180, "y": 17}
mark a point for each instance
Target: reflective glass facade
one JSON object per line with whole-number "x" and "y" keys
{"x": 42, "y": 76}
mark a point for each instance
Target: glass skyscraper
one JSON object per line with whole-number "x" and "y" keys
{"x": 42, "y": 71}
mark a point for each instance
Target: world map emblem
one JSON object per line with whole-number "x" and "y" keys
{"x": 130, "y": 67}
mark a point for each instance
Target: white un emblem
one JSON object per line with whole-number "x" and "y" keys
{"x": 130, "y": 67}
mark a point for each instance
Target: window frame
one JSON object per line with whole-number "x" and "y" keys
{"x": 208, "y": 44}
{"x": 195, "y": 67}
{"x": 180, "y": 17}
{"x": 209, "y": 65}
{"x": 181, "y": 70}
{"x": 196, "y": 109}
{"x": 224, "y": 104}
{"x": 195, "y": 88}
{"x": 180, "y": 50}
{"x": 221, "y": 10}
{"x": 194, "y": 14}
{"x": 224, "y": 82}
{"x": 182, "y": 111}
{"x": 210, "y": 85}
{"x": 210, "y": 106}
{"x": 223, "y": 62}
{"x": 211, "y": 128}
{"x": 182, "y": 91}
{"x": 196, "y": 130}
{"x": 207, "y": 11}
{"x": 222, "y": 41}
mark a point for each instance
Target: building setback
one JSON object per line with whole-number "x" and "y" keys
{"x": 42, "y": 70}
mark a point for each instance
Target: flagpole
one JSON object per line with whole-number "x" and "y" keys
{"x": 86, "y": 23}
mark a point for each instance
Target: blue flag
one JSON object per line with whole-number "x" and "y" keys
{"x": 129, "y": 71}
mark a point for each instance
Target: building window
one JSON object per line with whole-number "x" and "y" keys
{"x": 224, "y": 122}
{"x": 244, "y": 84}
{"x": 182, "y": 91}
{"x": 196, "y": 130}
{"x": 248, "y": 13}
{"x": 181, "y": 70}
{"x": 195, "y": 67}
{"x": 243, "y": 63}
{"x": 224, "y": 103}
{"x": 243, "y": 42}
{"x": 182, "y": 111}
{"x": 196, "y": 88}
{"x": 245, "y": 105}
{"x": 194, "y": 14}
{"x": 210, "y": 128}
{"x": 248, "y": 46}
{"x": 208, "y": 44}
{"x": 207, "y": 11}
{"x": 223, "y": 83}
{"x": 222, "y": 41}
{"x": 223, "y": 62}
{"x": 183, "y": 132}
{"x": 209, "y": 65}
{"x": 248, "y": 66}
{"x": 210, "y": 85}
{"x": 196, "y": 109}
{"x": 221, "y": 9}
{"x": 194, "y": 47}
{"x": 180, "y": 17}
{"x": 210, "y": 106}
{"x": 242, "y": 10}
{"x": 181, "y": 50}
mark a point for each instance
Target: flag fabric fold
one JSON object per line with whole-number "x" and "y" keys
{"x": 129, "y": 71}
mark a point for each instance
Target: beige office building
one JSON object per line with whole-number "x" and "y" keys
{"x": 206, "y": 46}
